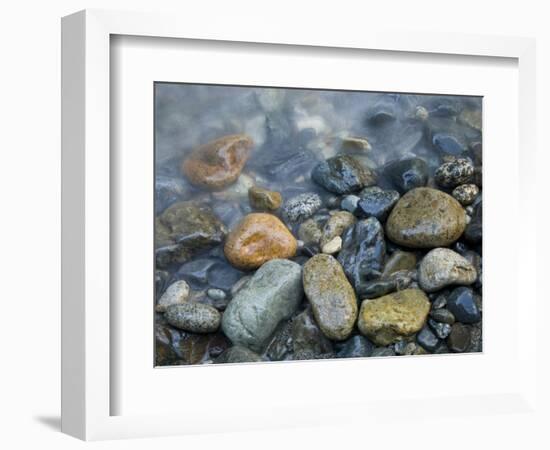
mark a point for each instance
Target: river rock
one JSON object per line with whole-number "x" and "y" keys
{"x": 237, "y": 354}
{"x": 331, "y": 296}
{"x": 264, "y": 199}
{"x": 462, "y": 304}
{"x": 363, "y": 252}
{"x": 460, "y": 338}
{"x": 168, "y": 190}
{"x": 356, "y": 347}
{"x": 443, "y": 267}
{"x": 376, "y": 202}
{"x": 310, "y": 232}
{"x": 442, "y": 315}
{"x": 218, "y": 163}
{"x": 333, "y": 246}
{"x": 466, "y": 193}
{"x": 399, "y": 260}
{"x": 383, "y": 351}
{"x": 473, "y": 232}
{"x": 183, "y": 229}
{"x": 349, "y": 203}
{"x": 426, "y": 218}
{"x": 335, "y": 226}
{"x": 177, "y": 292}
{"x": 448, "y": 144}
{"x": 441, "y": 330}
{"x": 308, "y": 341}
{"x": 427, "y": 339}
{"x": 343, "y": 174}
{"x": 378, "y": 288}
{"x": 269, "y": 297}
{"x": 193, "y": 317}
{"x": 259, "y": 237}
{"x": 453, "y": 173}
{"x": 393, "y": 317}
{"x": 301, "y": 207}
{"x": 407, "y": 174}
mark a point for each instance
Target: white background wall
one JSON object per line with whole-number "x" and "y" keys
{"x": 30, "y": 197}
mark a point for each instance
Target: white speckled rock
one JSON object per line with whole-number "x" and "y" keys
{"x": 443, "y": 267}
{"x": 176, "y": 293}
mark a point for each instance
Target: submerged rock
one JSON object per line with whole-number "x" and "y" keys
{"x": 310, "y": 232}
{"x": 332, "y": 298}
{"x": 407, "y": 174}
{"x": 270, "y": 296}
{"x": 363, "y": 251}
{"x": 237, "y": 354}
{"x": 426, "y": 218}
{"x": 177, "y": 292}
{"x": 301, "y": 207}
{"x": 443, "y": 267}
{"x": 168, "y": 190}
{"x": 258, "y": 238}
{"x": 391, "y": 318}
{"x": 218, "y": 163}
{"x": 308, "y": 341}
{"x": 356, "y": 347}
{"x": 399, "y": 260}
{"x": 264, "y": 199}
{"x": 193, "y": 317}
{"x": 343, "y": 174}
{"x": 183, "y": 229}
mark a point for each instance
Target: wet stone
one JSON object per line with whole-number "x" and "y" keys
{"x": 271, "y": 296}
{"x": 331, "y": 296}
{"x": 442, "y": 315}
{"x": 355, "y": 347}
{"x": 459, "y": 339}
{"x": 376, "y": 202}
{"x": 427, "y": 339}
{"x": 195, "y": 272}
{"x": 462, "y": 303}
{"x": 307, "y": 337}
{"x": 363, "y": 252}
{"x": 343, "y": 174}
{"x": 441, "y": 330}
{"x": 407, "y": 174}
{"x": 378, "y": 288}
{"x": 349, "y": 203}
{"x": 439, "y": 301}
{"x": 168, "y": 190}
{"x": 193, "y": 317}
{"x": 216, "y": 294}
{"x": 447, "y": 144}
{"x": 336, "y": 224}
{"x": 442, "y": 267}
{"x": 426, "y": 218}
{"x": 301, "y": 207}
{"x": 383, "y": 351}
{"x": 176, "y": 293}
{"x": 310, "y": 232}
{"x": 333, "y": 246}
{"x": 237, "y": 354}
{"x": 465, "y": 193}
{"x": 258, "y": 238}
{"x": 391, "y": 318}
{"x": 399, "y": 260}
{"x": 454, "y": 173}
{"x": 473, "y": 232}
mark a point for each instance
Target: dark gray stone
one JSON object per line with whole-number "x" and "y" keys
{"x": 442, "y": 330}
{"x": 376, "y": 202}
{"x": 442, "y": 315}
{"x": 407, "y": 174}
{"x": 462, "y": 304}
{"x": 343, "y": 174}
{"x": 459, "y": 339}
{"x": 427, "y": 339}
{"x": 355, "y": 347}
{"x": 237, "y": 354}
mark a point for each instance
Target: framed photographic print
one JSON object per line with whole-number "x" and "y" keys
{"x": 286, "y": 213}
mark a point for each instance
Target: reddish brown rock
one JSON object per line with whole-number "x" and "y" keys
{"x": 217, "y": 163}
{"x": 258, "y": 238}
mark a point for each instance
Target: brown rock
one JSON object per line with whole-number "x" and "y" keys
{"x": 257, "y": 238}
{"x": 218, "y": 163}
{"x": 393, "y": 317}
{"x": 264, "y": 199}
{"x": 426, "y": 218}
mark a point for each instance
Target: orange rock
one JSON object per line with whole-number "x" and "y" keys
{"x": 257, "y": 238}
{"x": 217, "y": 163}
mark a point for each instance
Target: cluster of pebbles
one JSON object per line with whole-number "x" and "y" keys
{"x": 312, "y": 253}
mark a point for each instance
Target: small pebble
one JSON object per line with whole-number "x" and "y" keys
{"x": 333, "y": 246}
{"x": 466, "y": 194}
{"x": 443, "y": 315}
{"x": 216, "y": 294}
{"x": 176, "y": 293}
{"x": 349, "y": 203}
{"x": 442, "y": 330}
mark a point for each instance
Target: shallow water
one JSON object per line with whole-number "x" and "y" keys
{"x": 292, "y": 130}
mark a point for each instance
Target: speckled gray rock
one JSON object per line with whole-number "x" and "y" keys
{"x": 301, "y": 207}
{"x": 443, "y": 267}
{"x": 176, "y": 293}
{"x": 331, "y": 296}
{"x": 426, "y": 218}
{"x": 310, "y": 232}
{"x": 455, "y": 172}
{"x": 465, "y": 193}
{"x": 343, "y": 174}
{"x": 193, "y": 317}
{"x": 363, "y": 252}
{"x": 270, "y": 296}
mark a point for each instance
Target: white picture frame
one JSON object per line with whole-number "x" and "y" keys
{"x": 87, "y": 385}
